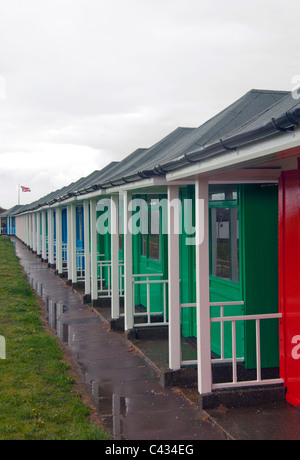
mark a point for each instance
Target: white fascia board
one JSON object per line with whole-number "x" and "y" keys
{"x": 137, "y": 185}
{"x": 158, "y": 181}
{"x": 76, "y": 198}
{"x": 87, "y": 196}
{"x": 253, "y": 153}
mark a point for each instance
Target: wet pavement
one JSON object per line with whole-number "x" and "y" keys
{"x": 125, "y": 387}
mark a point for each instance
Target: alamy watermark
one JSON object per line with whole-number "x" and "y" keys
{"x": 296, "y": 88}
{"x": 152, "y": 218}
{"x": 2, "y": 347}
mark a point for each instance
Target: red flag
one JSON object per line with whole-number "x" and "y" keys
{"x": 25, "y": 189}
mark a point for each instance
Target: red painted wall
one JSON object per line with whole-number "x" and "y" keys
{"x": 289, "y": 282}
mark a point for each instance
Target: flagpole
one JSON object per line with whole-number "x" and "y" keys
{"x": 18, "y": 194}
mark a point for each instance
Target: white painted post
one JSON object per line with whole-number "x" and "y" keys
{"x": 59, "y": 263}
{"x": 173, "y": 270}
{"x": 34, "y": 232}
{"x": 26, "y": 238}
{"x": 69, "y": 243}
{"x": 38, "y": 233}
{"x": 44, "y": 235}
{"x": 94, "y": 250}
{"x": 24, "y": 219}
{"x": 202, "y": 287}
{"x": 115, "y": 282}
{"x": 50, "y": 237}
{"x": 30, "y": 230}
{"x": 87, "y": 261}
{"x": 128, "y": 284}
{"x": 27, "y": 228}
{"x": 73, "y": 243}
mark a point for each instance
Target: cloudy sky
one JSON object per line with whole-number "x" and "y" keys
{"x": 85, "y": 82}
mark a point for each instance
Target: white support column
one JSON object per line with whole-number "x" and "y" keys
{"x": 30, "y": 230}
{"x": 128, "y": 285}
{"x": 69, "y": 243}
{"x": 59, "y": 264}
{"x": 24, "y": 218}
{"x": 44, "y": 236}
{"x": 173, "y": 270}
{"x": 24, "y": 227}
{"x": 50, "y": 237}
{"x": 34, "y": 232}
{"x": 38, "y": 234}
{"x": 202, "y": 286}
{"x": 115, "y": 281}
{"x": 73, "y": 244}
{"x": 87, "y": 259}
{"x": 27, "y": 229}
{"x": 94, "y": 249}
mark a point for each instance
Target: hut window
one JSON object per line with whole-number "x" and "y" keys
{"x": 80, "y": 226}
{"x": 150, "y": 242}
{"x": 224, "y": 233}
{"x": 154, "y": 229}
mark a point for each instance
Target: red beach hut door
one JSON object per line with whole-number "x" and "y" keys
{"x": 289, "y": 274}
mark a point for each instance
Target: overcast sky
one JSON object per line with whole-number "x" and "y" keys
{"x": 86, "y": 82}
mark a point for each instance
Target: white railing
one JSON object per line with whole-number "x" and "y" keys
{"x": 148, "y": 314}
{"x": 234, "y": 359}
{"x": 104, "y": 278}
{"x": 80, "y": 264}
{"x": 64, "y": 252}
{"x": 222, "y": 358}
{"x": 2, "y": 231}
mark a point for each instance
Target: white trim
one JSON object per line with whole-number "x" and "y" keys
{"x": 69, "y": 242}
{"x": 51, "y": 236}
{"x": 259, "y": 151}
{"x": 87, "y": 257}
{"x": 173, "y": 270}
{"x": 44, "y": 242}
{"x": 94, "y": 250}
{"x": 59, "y": 263}
{"x": 128, "y": 262}
{"x": 202, "y": 287}
{"x": 38, "y": 233}
{"x": 73, "y": 243}
{"x": 115, "y": 280}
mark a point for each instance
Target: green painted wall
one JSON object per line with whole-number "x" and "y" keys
{"x": 257, "y": 283}
{"x": 260, "y": 273}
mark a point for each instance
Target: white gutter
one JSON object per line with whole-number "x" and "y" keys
{"x": 253, "y": 153}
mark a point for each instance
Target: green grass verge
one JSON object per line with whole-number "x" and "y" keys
{"x": 38, "y": 395}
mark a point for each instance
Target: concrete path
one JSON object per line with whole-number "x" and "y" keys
{"x": 126, "y": 390}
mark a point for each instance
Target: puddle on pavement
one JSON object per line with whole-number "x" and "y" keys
{"x": 115, "y": 410}
{"x": 54, "y": 310}
{"x": 110, "y": 405}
